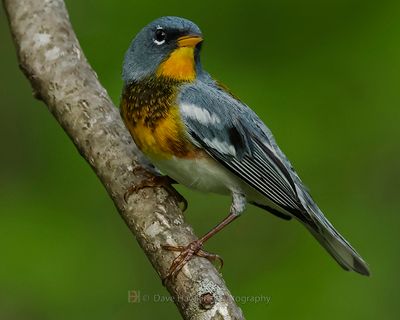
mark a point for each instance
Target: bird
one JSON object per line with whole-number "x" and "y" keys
{"x": 194, "y": 130}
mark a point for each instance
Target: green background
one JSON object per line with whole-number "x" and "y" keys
{"x": 324, "y": 76}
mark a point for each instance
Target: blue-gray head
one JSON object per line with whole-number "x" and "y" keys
{"x": 168, "y": 47}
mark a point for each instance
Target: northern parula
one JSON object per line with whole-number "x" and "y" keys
{"x": 196, "y": 131}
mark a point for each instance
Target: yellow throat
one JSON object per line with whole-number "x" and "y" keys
{"x": 180, "y": 64}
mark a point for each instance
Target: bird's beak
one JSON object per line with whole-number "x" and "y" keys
{"x": 189, "y": 41}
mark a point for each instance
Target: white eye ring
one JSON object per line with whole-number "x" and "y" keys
{"x": 159, "y": 43}
{"x": 160, "y": 33}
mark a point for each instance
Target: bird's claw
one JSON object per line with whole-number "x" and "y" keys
{"x": 158, "y": 181}
{"x": 186, "y": 254}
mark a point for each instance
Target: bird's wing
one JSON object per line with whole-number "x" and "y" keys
{"x": 233, "y": 135}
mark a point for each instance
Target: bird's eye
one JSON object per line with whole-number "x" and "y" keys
{"x": 159, "y": 36}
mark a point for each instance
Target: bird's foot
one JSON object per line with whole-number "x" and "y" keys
{"x": 186, "y": 254}
{"x": 158, "y": 181}
{"x": 149, "y": 182}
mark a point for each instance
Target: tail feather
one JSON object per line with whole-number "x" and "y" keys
{"x": 337, "y": 246}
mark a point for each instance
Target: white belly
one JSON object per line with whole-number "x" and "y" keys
{"x": 207, "y": 175}
{"x": 203, "y": 174}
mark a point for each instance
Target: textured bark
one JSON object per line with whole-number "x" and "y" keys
{"x": 51, "y": 57}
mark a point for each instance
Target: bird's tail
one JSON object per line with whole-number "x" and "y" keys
{"x": 335, "y": 244}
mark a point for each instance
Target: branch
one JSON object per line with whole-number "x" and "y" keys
{"x": 51, "y": 58}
